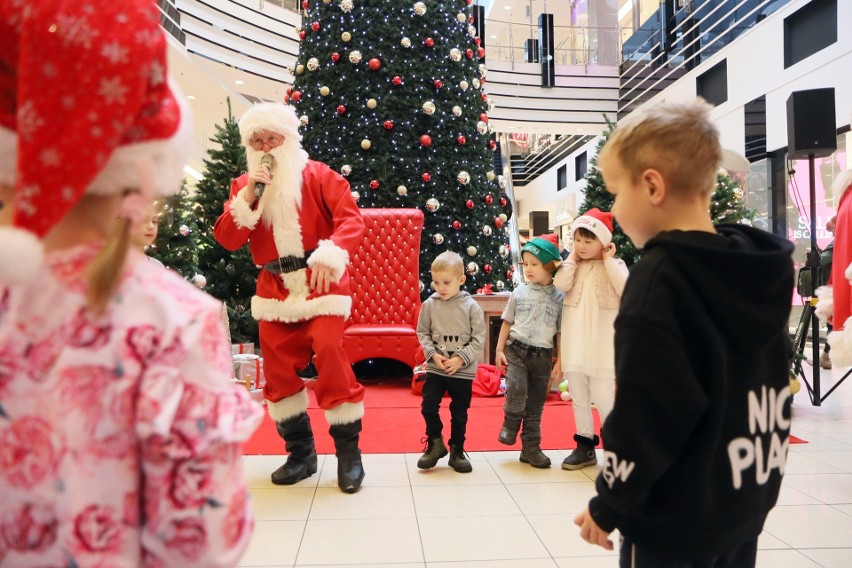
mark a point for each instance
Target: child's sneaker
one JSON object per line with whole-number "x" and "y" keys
{"x": 434, "y": 450}
{"x": 458, "y": 461}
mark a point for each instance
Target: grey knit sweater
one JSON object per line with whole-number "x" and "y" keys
{"x": 452, "y": 327}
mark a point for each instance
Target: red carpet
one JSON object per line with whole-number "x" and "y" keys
{"x": 393, "y": 424}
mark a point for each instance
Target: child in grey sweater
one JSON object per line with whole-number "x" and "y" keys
{"x": 451, "y": 329}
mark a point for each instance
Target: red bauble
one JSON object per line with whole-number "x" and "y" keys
{"x": 488, "y": 199}
{"x": 498, "y": 222}
{"x": 302, "y": 34}
{"x": 425, "y": 140}
{"x": 470, "y": 19}
{"x": 305, "y": 4}
{"x": 388, "y": 124}
{"x": 492, "y": 144}
{"x": 510, "y": 273}
{"x": 481, "y": 52}
{"x": 290, "y": 90}
{"x": 397, "y": 80}
{"x": 461, "y": 140}
{"x": 469, "y": 2}
{"x": 457, "y": 225}
{"x": 487, "y": 268}
{"x": 374, "y": 184}
{"x": 503, "y": 202}
{"x": 335, "y": 57}
{"x": 469, "y": 53}
{"x": 438, "y": 83}
{"x": 484, "y": 97}
{"x": 429, "y": 42}
{"x": 315, "y": 26}
{"x": 375, "y": 63}
{"x": 286, "y": 99}
{"x": 477, "y": 40}
{"x": 469, "y": 203}
{"x": 483, "y": 117}
{"x": 296, "y": 96}
{"x": 341, "y": 109}
{"x": 426, "y": 177}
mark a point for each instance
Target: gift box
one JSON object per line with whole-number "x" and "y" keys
{"x": 242, "y": 349}
{"x": 248, "y": 369}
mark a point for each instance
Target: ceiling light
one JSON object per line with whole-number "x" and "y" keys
{"x": 190, "y": 97}
{"x": 239, "y": 82}
{"x": 507, "y": 7}
{"x": 192, "y": 172}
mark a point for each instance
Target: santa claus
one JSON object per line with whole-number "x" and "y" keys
{"x": 301, "y": 223}
{"x": 835, "y": 300}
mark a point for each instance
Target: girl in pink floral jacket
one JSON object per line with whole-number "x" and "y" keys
{"x": 120, "y": 430}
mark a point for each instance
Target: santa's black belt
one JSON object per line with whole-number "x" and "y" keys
{"x": 287, "y": 264}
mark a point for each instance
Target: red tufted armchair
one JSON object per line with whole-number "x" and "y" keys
{"x": 385, "y": 272}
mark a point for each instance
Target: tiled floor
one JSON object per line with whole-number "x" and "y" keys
{"x": 507, "y": 514}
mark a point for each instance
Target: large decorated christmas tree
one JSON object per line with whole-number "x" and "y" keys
{"x": 726, "y": 206}
{"x": 231, "y": 276}
{"x": 391, "y": 94}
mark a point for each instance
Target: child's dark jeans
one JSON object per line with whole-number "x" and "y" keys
{"x": 460, "y": 391}
{"x": 527, "y": 379}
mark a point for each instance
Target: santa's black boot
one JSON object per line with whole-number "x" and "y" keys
{"x": 350, "y": 471}
{"x": 299, "y": 442}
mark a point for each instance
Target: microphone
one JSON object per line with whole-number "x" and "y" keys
{"x": 268, "y": 161}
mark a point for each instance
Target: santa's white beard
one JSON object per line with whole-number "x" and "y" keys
{"x": 279, "y": 164}
{"x": 282, "y": 197}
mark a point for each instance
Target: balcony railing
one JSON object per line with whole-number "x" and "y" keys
{"x": 573, "y": 45}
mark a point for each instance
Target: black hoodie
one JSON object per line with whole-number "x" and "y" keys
{"x": 696, "y": 443}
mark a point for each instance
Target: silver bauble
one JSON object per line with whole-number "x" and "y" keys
{"x": 471, "y": 251}
{"x": 438, "y": 238}
{"x": 433, "y": 204}
{"x": 472, "y": 268}
{"x": 355, "y": 56}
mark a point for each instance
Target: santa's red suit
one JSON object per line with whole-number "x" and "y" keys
{"x": 836, "y": 299}
{"x": 330, "y": 226}
{"x": 305, "y": 217}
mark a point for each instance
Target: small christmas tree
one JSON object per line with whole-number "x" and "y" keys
{"x": 596, "y": 195}
{"x": 231, "y": 276}
{"x": 176, "y": 245}
{"x": 727, "y": 204}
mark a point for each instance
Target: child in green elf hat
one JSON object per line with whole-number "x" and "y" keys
{"x": 531, "y": 320}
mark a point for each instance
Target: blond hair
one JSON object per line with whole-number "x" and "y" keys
{"x": 448, "y": 261}
{"x": 678, "y": 139}
{"x": 107, "y": 266}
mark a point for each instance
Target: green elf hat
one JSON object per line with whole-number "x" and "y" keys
{"x": 543, "y": 248}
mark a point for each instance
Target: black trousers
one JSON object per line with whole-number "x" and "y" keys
{"x": 461, "y": 391}
{"x": 634, "y": 556}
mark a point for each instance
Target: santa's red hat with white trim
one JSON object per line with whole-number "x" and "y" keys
{"x": 85, "y": 108}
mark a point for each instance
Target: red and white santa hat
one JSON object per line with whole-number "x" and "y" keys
{"x": 274, "y": 117}
{"x": 85, "y": 108}
{"x": 597, "y": 222}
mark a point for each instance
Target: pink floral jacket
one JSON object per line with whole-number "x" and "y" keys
{"x": 120, "y": 435}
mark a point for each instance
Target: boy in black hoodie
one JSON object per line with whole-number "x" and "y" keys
{"x": 696, "y": 443}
